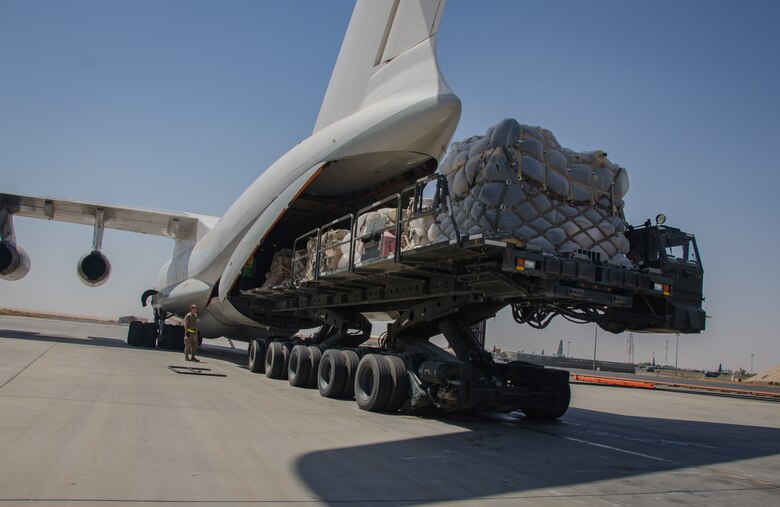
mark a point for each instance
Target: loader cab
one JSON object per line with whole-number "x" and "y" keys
{"x": 671, "y": 251}
{"x": 659, "y": 247}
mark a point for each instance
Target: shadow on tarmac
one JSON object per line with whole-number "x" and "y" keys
{"x": 511, "y": 456}
{"x": 507, "y": 455}
{"x": 235, "y": 356}
{"x": 89, "y": 340}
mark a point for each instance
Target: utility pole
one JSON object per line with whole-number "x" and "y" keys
{"x": 568, "y": 348}
{"x": 630, "y": 347}
{"x": 751, "y": 364}
{"x": 676, "y": 351}
{"x": 595, "y": 342}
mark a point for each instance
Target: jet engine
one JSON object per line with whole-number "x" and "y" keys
{"x": 14, "y": 261}
{"x": 93, "y": 269}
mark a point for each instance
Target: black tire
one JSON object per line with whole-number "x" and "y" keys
{"x": 275, "y": 360}
{"x": 257, "y": 356}
{"x": 299, "y": 367}
{"x": 400, "y": 391}
{"x": 373, "y": 383}
{"x": 552, "y": 413}
{"x": 352, "y": 361}
{"x": 332, "y": 374}
{"x": 134, "y": 333}
{"x": 550, "y": 385}
{"x": 315, "y": 354}
{"x": 174, "y": 337}
{"x": 149, "y": 335}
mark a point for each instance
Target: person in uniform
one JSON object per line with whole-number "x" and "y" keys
{"x": 191, "y": 334}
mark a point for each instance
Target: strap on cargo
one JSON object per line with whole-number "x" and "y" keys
{"x": 612, "y": 197}
{"x": 519, "y": 160}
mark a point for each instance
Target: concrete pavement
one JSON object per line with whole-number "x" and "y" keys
{"x": 87, "y": 420}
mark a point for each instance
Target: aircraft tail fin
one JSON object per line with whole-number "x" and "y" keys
{"x": 379, "y": 34}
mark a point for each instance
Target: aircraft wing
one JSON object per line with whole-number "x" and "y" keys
{"x": 176, "y": 225}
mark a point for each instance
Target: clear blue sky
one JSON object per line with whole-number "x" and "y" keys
{"x": 180, "y": 105}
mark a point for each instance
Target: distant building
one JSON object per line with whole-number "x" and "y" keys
{"x": 568, "y": 362}
{"x": 127, "y": 319}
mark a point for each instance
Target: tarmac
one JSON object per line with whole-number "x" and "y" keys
{"x": 87, "y": 420}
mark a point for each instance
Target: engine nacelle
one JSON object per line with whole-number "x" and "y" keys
{"x": 93, "y": 269}
{"x": 14, "y": 261}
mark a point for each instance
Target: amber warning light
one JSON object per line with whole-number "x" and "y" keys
{"x": 523, "y": 264}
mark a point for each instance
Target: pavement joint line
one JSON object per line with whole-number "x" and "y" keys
{"x": 618, "y": 449}
{"x": 320, "y": 501}
{"x": 160, "y": 405}
{"x": 30, "y": 364}
{"x": 760, "y": 483}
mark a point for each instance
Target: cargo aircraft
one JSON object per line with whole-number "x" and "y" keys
{"x": 386, "y": 120}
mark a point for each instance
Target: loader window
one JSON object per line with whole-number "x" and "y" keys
{"x": 681, "y": 249}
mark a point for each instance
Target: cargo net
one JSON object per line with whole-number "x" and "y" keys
{"x": 517, "y": 182}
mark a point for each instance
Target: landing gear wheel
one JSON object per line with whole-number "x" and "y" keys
{"x": 352, "y": 360}
{"x": 373, "y": 383}
{"x": 172, "y": 337}
{"x": 315, "y": 354}
{"x": 300, "y": 367}
{"x": 257, "y": 356}
{"x": 400, "y": 391}
{"x": 275, "y": 361}
{"x": 135, "y": 334}
{"x": 149, "y": 335}
{"x": 332, "y": 374}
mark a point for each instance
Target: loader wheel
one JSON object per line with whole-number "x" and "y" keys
{"x": 315, "y": 354}
{"x": 332, "y": 374}
{"x": 275, "y": 361}
{"x": 352, "y": 360}
{"x": 400, "y": 391}
{"x": 548, "y": 414}
{"x": 257, "y": 356}
{"x": 300, "y": 367}
{"x": 373, "y": 383}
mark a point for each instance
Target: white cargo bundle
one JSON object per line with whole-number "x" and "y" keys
{"x": 281, "y": 266}
{"x": 516, "y": 182}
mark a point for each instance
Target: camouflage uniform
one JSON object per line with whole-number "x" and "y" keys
{"x": 191, "y": 335}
